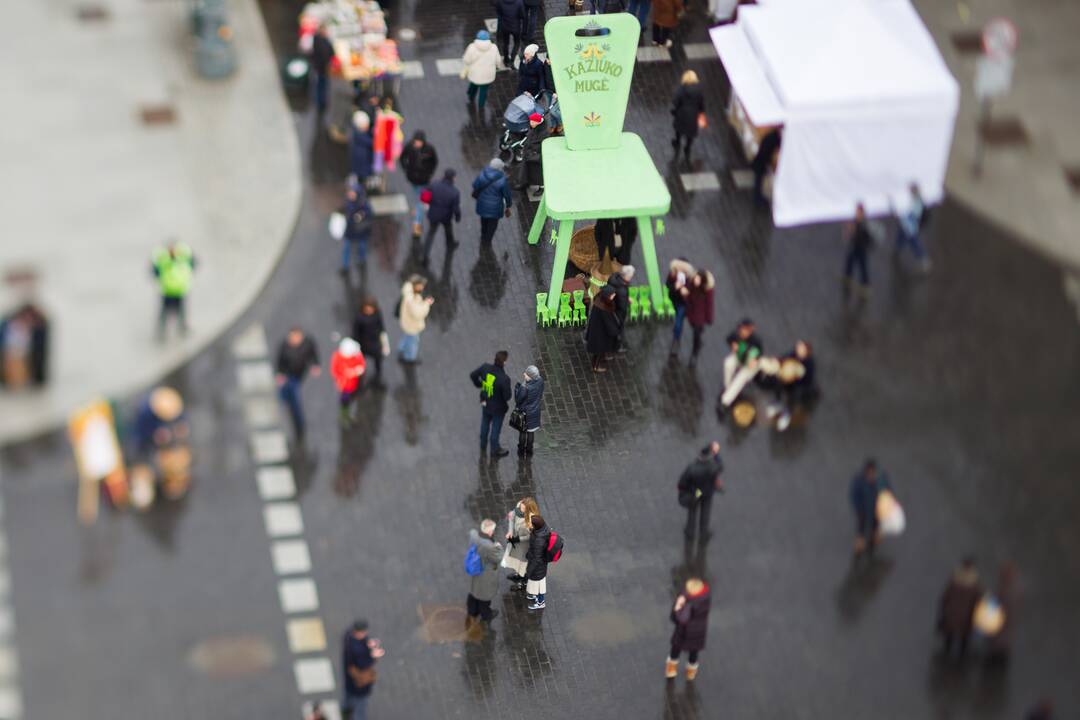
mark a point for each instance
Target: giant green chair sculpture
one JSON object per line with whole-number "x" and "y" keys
{"x": 596, "y": 170}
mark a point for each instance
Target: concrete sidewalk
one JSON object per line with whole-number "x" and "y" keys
{"x": 91, "y": 190}
{"x": 1022, "y": 188}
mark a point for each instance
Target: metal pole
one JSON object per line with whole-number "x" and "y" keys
{"x": 981, "y": 122}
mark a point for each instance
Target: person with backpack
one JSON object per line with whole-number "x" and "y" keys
{"x": 545, "y": 547}
{"x": 691, "y": 617}
{"x": 697, "y": 484}
{"x": 519, "y": 529}
{"x": 494, "y": 385}
{"x": 482, "y": 567}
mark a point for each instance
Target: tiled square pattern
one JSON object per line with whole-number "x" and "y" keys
{"x": 275, "y": 482}
{"x": 290, "y": 557}
{"x": 314, "y": 675}
{"x": 269, "y": 446}
{"x": 283, "y": 519}
{"x": 306, "y": 635}
{"x": 298, "y": 595}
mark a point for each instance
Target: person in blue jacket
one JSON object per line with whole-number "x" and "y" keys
{"x": 357, "y": 226}
{"x": 492, "y": 192}
{"x": 528, "y": 397}
{"x": 361, "y": 153}
{"x": 867, "y": 484}
{"x": 444, "y": 209}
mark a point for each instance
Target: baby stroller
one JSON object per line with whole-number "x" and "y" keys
{"x": 516, "y": 120}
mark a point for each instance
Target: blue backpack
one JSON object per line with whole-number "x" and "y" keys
{"x": 473, "y": 564}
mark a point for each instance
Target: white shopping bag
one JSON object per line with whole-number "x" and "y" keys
{"x": 336, "y": 225}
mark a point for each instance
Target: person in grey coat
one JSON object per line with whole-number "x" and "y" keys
{"x": 483, "y": 587}
{"x": 518, "y": 530}
{"x": 529, "y": 397}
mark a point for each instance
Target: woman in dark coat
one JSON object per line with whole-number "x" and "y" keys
{"x": 361, "y": 153}
{"x": 529, "y": 397}
{"x": 602, "y": 334}
{"x": 698, "y": 295}
{"x": 369, "y": 331}
{"x": 688, "y": 107}
{"x": 958, "y": 607}
{"x": 691, "y": 617}
{"x": 537, "y": 567}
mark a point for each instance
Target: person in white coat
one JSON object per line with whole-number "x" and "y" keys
{"x": 413, "y": 310}
{"x": 478, "y": 66}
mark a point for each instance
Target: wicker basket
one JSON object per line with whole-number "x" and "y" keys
{"x": 583, "y": 248}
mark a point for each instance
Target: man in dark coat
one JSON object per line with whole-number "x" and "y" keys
{"x": 863, "y": 494}
{"x": 484, "y": 587}
{"x": 763, "y": 162}
{"x": 494, "y": 385}
{"x": 957, "y": 610}
{"x": 358, "y": 655}
{"x": 493, "y": 199}
{"x": 297, "y": 356}
{"x": 322, "y": 52}
{"x": 357, "y": 226}
{"x": 368, "y": 330}
{"x": 443, "y": 210}
{"x": 860, "y": 240}
{"x": 699, "y": 481}
{"x": 532, "y": 75}
{"x": 419, "y": 161}
{"x": 537, "y": 563}
{"x": 511, "y": 17}
{"x": 690, "y": 613}
{"x": 687, "y": 107}
{"x": 532, "y": 11}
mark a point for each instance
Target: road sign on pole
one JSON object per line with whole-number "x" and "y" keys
{"x": 993, "y": 75}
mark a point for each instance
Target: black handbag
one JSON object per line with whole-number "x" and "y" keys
{"x": 517, "y": 419}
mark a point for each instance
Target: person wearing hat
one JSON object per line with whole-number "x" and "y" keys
{"x": 532, "y": 172}
{"x": 479, "y": 65}
{"x": 444, "y": 209}
{"x": 173, "y": 266}
{"x": 493, "y": 199}
{"x": 529, "y": 397}
{"x": 358, "y": 656}
{"x": 419, "y": 161}
{"x": 160, "y": 421}
{"x": 741, "y": 364}
{"x": 346, "y": 367}
{"x": 511, "y": 17}
{"x": 690, "y": 613}
{"x": 699, "y": 481}
{"x": 532, "y": 74}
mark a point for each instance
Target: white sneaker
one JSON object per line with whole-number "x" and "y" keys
{"x": 667, "y": 43}
{"x": 784, "y": 422}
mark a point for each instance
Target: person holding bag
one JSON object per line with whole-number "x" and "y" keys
{"x": 491, "y": 190}
{"x": 517, "y": 537}
{"x": 479, "y": 65}
{"x": 526, "y": 416}
{"x": 688, "y": 109}
{"x": 690, "y": 614}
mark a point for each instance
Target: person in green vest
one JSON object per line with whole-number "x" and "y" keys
{"x": 173, "y": 267}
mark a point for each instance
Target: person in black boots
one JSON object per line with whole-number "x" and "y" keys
{"x": 494, "y": 385}
{"x": 690, "y": 614}
{"x": 443, "y": 210}
{"x": 369, "y": 331}
{"x": 697, "y": 484}
{"x": 619, "y": 285}
{"x": 528, "y": 397}
{"x": 536, "y": 570}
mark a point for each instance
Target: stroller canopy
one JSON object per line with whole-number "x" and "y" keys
{"x": 518, "y": 112}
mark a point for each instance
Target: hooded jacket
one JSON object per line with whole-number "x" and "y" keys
{"x": 485, "y": 585}
{"x": 481, "y": 61}
{"x": 701, "y": 475}
{"x": 687, "y": 105}
{"x": 699, "y": 302}
{"x": 495, "y": 196}
{"x": 346, "y": 370}
{"x": 673, "y": 282}
{"x": 528, "y": 397}
{"x": 419, "y": 163}
{"x": 414, "y": 310}
{"x": 537, "y": 554}
{"x": 692, "y": 622}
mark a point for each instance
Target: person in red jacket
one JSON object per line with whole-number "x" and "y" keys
{"x": 698, "y": 296}
{"x": 346, "y": 367}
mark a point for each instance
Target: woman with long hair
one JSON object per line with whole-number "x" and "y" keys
{"x": 517, "y": 535}
{"x": 688, "y": 109}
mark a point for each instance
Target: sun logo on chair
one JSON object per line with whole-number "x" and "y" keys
{"x": 592, "y": 120}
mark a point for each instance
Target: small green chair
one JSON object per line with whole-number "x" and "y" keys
{"x": 644, "y": 302}
{"x": 635, "y": 307}
{"x": 566, "y": 311}
{"x": 579, "y": 307}
{"x": 669, "y": 307}
{"x": 543, "y": 317}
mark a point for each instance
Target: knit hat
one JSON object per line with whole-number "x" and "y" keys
{"x": 536, "y": 118}
{"x": 349, "y": 347}
{"x": 483, "y": 35}
{"x": 496, "y": 164}
{"x": 361, "y": 121}
{"x": 531, "y": 50}
{"x": 533, "y": 372}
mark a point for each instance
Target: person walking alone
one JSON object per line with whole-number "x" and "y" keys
{"x": 412, "y": 315}
{"x": 699, "y": 481}
{"x": 297, "y": 357}
{"x": 690, "y": 613}
{"x": 536, "y": 567}
{"x": 529, "y": 397}
{"x": 346, "y": 367}
{"x": 957, "y": 609}
{"x": 358, "y": 656}
{"x": 357, "y": 227}
{"x": 510, "y": 15}
{"x": 688, "y": 109}
{"x": 368, "y": 330}
{"x": 443, "y": 210}
{"x": 765, "y": 160}
{"x": 480, "y": 63}
{"x": 665, "y": 18}
{"x": 493, "y": 199}
{"x": 494, "y": 385}
{"x": 322, "y": 52}
{"x": 859, "y": 243}
{"x": 519, "y": 524}
{"x": 863, "y": 493}
{"x": 699, "y": 308}
{"x": 909, "y": 226}
{"x": 484, "y": 585}
{"x": 173, "y": 266}
{"x": 419, "y": 161}
{"x": 361, "y": 148}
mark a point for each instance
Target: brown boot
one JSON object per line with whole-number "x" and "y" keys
{"x": 672, "y": 669}
{"x": 417, "y": 230}
{"x": 691, "y": 671}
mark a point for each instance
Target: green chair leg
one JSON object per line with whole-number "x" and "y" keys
{"x": 635, "y": 306}
{"x": 579, "y": 307}
{"x": 644, "y": 302}
{"x": 541, "y": 309}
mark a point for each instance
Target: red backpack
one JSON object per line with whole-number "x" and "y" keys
{"x": 554, "y": 548}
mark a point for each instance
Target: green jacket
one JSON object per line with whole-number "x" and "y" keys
{"x": 174, "y": 271}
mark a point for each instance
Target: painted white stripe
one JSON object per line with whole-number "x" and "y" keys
{"x": 306, "y": 635}
{"x": 314, "y": 675}
{"x": 11, "y": 706}
{"x": 650, "y": 53}
{"x": 257, "y": 377}
{"x": 283, "y": 519}
{"x": 700, "y": 51}
{"x": 275, "y": 482}
{"x": 9, "y": 665}
{"x": 298, "y": 595}
{"x": 7, "y": 623}
{"x": 261, "y": 411}
{"x": 700, "y": 181}
{"x": 291, "y": 557}
{"x": 492, "y": 24}
{"x": 269, "y": 446}
{"x": 448, "y": 66}
{"x": 330, "y": 709}
{"x": 742, "y": 179}
{"x": 412, "y": 69}
{"x": 388, "y": 204}
{"x": 251, "y": 344}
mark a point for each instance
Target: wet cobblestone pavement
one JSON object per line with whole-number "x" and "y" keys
{"x": 962, "y": 383}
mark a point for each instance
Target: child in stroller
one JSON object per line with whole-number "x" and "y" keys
{"x": 516, "y": 121}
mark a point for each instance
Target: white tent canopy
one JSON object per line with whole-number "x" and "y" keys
{"x": 867, "y": 104}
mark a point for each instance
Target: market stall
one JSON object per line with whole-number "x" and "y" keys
{"x": 866, "y": 102}
{"x": 357, "y": 29}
